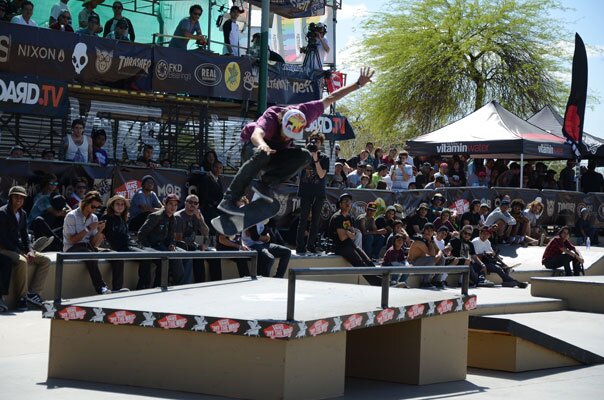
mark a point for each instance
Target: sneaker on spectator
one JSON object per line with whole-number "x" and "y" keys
{"x": 402, "y": 285}
{"x": 483, "y": 282}
{"x": 443, "y": 285}
{"x": 3, "y": 306}
{"x": 104, "y": 290}
{"x": 120, "y": 290}
{"x": 42, "y": 243}
{"x": 22, "y": 304}
{"x": 521, "y": 285}
{"x": 508, "y": 283}
{"x": 34, "y": 299}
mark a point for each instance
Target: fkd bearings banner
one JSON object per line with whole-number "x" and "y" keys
{"x": 26, "y": 95}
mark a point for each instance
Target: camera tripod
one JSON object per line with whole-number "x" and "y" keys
{"x": 312, "y": 60}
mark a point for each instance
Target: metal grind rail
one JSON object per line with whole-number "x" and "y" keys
{"x": 164, "y": 256}
{"x": 384, "y": 271}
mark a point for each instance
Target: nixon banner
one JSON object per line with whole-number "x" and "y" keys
{"x": 24, "y": 95}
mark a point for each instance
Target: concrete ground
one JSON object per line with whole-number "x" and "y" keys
{"x": 24, "y": 357}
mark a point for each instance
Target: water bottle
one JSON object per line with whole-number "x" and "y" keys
{"x": 587, "y": 243}
{"x": 62, "y": 28}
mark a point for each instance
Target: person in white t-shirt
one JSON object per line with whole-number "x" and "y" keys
{"x": 27, "y": 10}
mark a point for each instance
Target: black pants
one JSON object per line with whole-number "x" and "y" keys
{"x": 175, "y": 271}
{"x": 357, "y": 258}
{"x": 276, "y": 168}
{"x": 266, "y": 256}
{"x": 41, "y": 227}
{"x": 6, "y": 268}
{"x": 494, "y": 268}
{"x": 92, "y": 265}
{"x": 308, "y": 205}
{"x": 564, "y": 260}
{"x": 135, "y": 223}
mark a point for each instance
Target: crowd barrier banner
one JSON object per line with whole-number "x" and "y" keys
{"x": 335, "y": 127}
{"x": 561, "y": 207}
{"x": 69, "y": 57}
{"x": 294, "y": 8}
{"x": 28, "y": 95}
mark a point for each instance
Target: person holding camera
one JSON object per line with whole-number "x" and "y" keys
{"x": 311, "y": 191}
{"x": 401, "y": 172}
{"x": 268, "y": 145}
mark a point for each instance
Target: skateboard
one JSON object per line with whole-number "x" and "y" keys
{"x": 255, "y": 212}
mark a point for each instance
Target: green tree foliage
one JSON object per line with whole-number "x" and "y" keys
{"x": 439, "y": 60}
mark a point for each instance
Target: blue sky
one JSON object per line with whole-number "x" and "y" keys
{"x": 586, "y": 19}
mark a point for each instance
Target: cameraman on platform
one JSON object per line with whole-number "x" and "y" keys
{"x": 317, "y": 40}
{"x": 311, "y": 191}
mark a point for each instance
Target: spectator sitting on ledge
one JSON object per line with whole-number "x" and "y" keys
{"x": 146, "y": 159}
{"x": 144, "y": 202}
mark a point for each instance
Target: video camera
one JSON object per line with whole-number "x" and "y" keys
{"x": 312, "y": 146}
{"x": 311, "y": 35}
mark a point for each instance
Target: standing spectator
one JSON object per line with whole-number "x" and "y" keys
{"x": 567, "y": 176}
{"x": 511, "y": 177}
{"x": 57, "y": 10}
{"x": 14, "y": 244}
{"x": 424, "y": 252}
{"x": 157, "y": 233}
{"x": 209, "y": 158}
{"x": 63, "y": 22}
{"x": 230, "y": 31}
{"x": 77, "y": 146}
{"x": 120, "y": 31}
{"x": 549, "y": 181}
{"x": 341, "y": 229}
{"x": 86, "y": 13}
{"x": 584, "y": 228}
{"x": 443, "y": 170}
{"x": 146, "y": 158}
{"x": 99, "y": 155}
{"x": 80, "y": 188}
{"x": 189, "y": 28}
{"x": 82, "y": 232}
{"x": 257, "y": 238}
{"x": 189, "y": 224}
{"x": 373, "y": 238}
{"x": 592, "y": 181}
{"x": 311, "y": 192}
{"x": 560, "y": 252}
{"x": 478, "y": 178}
{"x": 144, "y": 202}
{"x": 211, "y": 192}
{"x": 401, "y": 173}
{"x": 25, "y": 18}
{"x": 354, "y": 178}
{"x": 118, "y": 237}
{"x": 112, "y": 24}
{"x": 92, "y": 29}
{"x": 503, "y": 219}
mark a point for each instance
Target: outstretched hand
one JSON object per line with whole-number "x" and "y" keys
{"x": 366, "y": 75}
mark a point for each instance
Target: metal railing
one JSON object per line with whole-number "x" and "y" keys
{"x": 384, "y": 271}
{"x": 164, "y": 256}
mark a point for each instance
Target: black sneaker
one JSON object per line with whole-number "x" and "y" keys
{"x": 521, "y": 285}
{"x": 22, "y": 304}
{"x": 34, "y": 299}
{"x": 230, "y": 207}
{"x": 427, "y": 285}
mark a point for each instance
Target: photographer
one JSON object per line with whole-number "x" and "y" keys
{"x": 401, "y": 172}
{"x": 312, "y": 193}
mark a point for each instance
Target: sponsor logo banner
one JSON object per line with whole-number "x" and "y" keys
{"x": 25, "y": 95}
{"x": 295, "y": 8}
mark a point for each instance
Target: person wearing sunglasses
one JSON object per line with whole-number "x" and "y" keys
{"x": 112, "y": 24}
{"x": 188, "y": 28}
{"x": 86, "y": 13}
{"x": 48, "y": 187}
{"x": 57, "y": 10}
{"x": 79, "y": 187}
{"x": 83, "y": 233}
{"x": 188, "y": 224}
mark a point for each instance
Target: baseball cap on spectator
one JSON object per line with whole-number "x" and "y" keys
{"x": 584, "y": 210}
{"x": 58, "y": 202}
{"x": 121, "y": 23}
{"x": 467, "y": 228}
{"x": 94, "y": 18}
{"x": 391, "y": 208}
{"x": 505, "y": 202}
{"x": 438, "y": 196}
{"x": 344, "y": 196}
{"x": 147, "y": 177}
{"x": 371, "y": 206}
{"x": 423, "y": 205}
{"x": 485, "y": 228}
{"x": 427, "y": 165}
{"x": 337, "y": 146}
{"x": 482, "y": 174}
{"x": 17, "y": 191}
{"x": 485, "y": 205}
{"x": 16, "y": 147}
{"x": 339, "y": 163}
{"x": 171, "y": 197}
{"x": 428, "y": 226}
{"x": 443, "y": 228}
{"x": 362, "y": 164}
{"x": 445, "y": 210}
{"x": 400, "y": 212}
{"x": 444, "y": 165}
{"x": 455, "y": 177}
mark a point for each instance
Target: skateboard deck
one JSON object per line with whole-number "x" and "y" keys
{"x": 255, "y": 212}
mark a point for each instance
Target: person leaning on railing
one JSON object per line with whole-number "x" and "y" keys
{"x": 189, "y": 28}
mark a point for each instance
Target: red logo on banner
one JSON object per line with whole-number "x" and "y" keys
{"x": 128, "y": 189}
{"x": 225, "y": 326}
{"x": 72, "y": 312}
{"x": 335, "y": 81}
{"x": 122, "y": 318}
{"x": 444, "y": 306}
{"x": 416, "y": 310}
{"x": 470, "y": 304}
{"x": 353, "y": 321}
{"x": 173, "y": 321}
{"x": 385, "y": 316}
{"x": 318, "y": 327}
{"x": 278, "y": 331}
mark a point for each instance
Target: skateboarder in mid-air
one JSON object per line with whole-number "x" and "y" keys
{"x": 268, "y": 146}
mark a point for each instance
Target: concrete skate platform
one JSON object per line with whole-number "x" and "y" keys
{"x": 582, "y": 293}
{"x": 231, "y": 338}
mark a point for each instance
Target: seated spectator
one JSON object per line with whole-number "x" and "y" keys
{"x": 488, "y": 258}
{"x": 364, "y": 182}
{"x": 369, "y": 173}
{"x": 396, "y": 255}
{"x": 341, "y": 230}
{"x": 189, "y": 224}
{"x": 443, "y": 171}
{"x": 501, "y": 217}
{"x": 77, "y": 146}
{"x": 436, "y": 206}
{"x": 80, "y": 188}
{"x": 560, "y": 252}
{"x": 464, "y": 250}
{"x": 549, "y": 181}
{"x": 27, "y": 11}
{"x": 369, "y": 149}
{"x": 99, "y": 155}
{"x": 16, "y": 152}
{"x": 381, "y": 175}
{"x": 257, "y": 238}
{"x": 339, "y": 179}
{"x": 424, "y": 175}
{"x": 49, "y": 224}
{"x": 354, "y": 178}
{"x": 57, "y": 10}
{"x": 86, "y": 13}
{"x": 117, "y": 236}
{"x": 485, "y": 210}
{"x": 592, "y": 181}
{"x": 584, "y": 229}
{"x": 82, "y": 233}
{"x": 146, "y": 158}
{"x": 478, "y": 178}
{"x": 401, "y": 173}
{"x": 472, "y": 216}
{"x": 189, "y": 28}
{"x": 4, "y": 16}
{"x": 386, "y": 221}
{"x": 143, "y": 203}
{"x": 212, "y": 192}
{"x": 93, "y": 28}
{"x": 390, "y": 158}
{"x": 157, "y": 233}
{"x": 121, "y": 22}
{"x": 533, "y": 212}
{"x": 398, "y": 228}
{"x": 48, "y": 154}
{"x": 14, "y": 244}
{"x": 519, "y": 233}
{"x": 455, "y": 181}
{"x": 362, "y": 157}
{"x": 418, "y": 220}
{"x": 437, "y": 183}
{"x": 41, "y": 203}
{"x": 120, "y": 32}
{"x": 373, "y": 238}
{"x": 63, "y": 22}
{"x": 378, "y": 154}
{"x": 424, "y": 253}
{"x": 445, "y": 220}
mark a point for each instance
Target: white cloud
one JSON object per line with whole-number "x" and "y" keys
{"x": 351, "y": 12}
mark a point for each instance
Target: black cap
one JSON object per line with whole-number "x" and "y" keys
{"x": 344, "y": 196}
{"x": 147, "y": 177}
{"x": 443, "y": 228}
{"x": 58, "y": 202}
{"x": 428, "y": 225}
